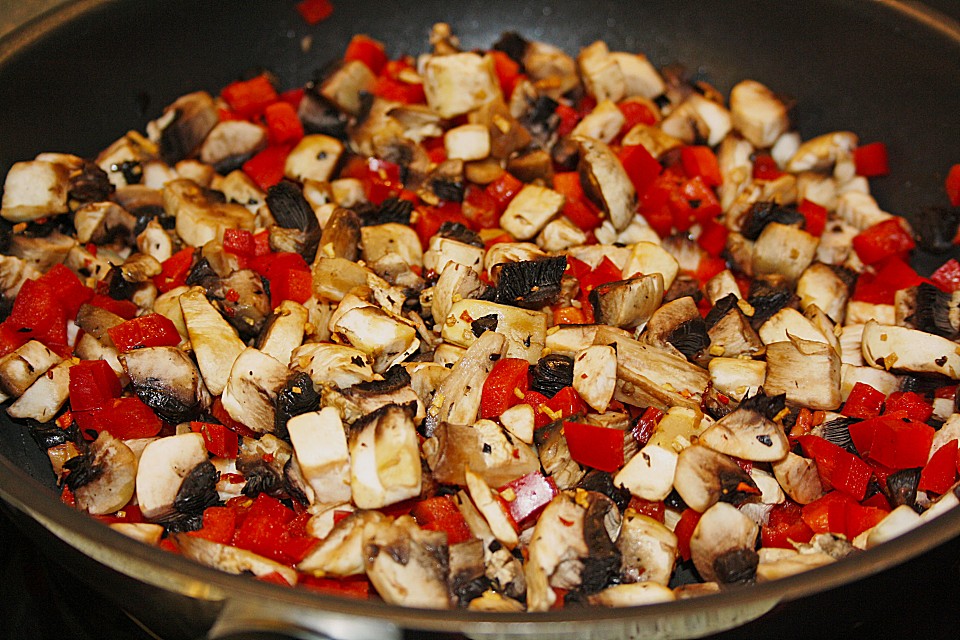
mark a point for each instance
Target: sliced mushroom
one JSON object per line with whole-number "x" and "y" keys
{"x": 525, "y": 330}
{"x": 647, "y": 258}
{"x": 747, "y": 434}
{"x": 320, "y": 447}
{"x": 705, "y": 477}
{"x": 231, "y": 143}
{"x": 115, "y": 480}
{"x": 799, "y": 478}
{"x": 45, "y": 397}
{"x": 821, "y": 152}
{"x": 331, "y": 364}
{"x": 484, "y": 448}
{"x": 634, "y": 594}
{"x": 909, "y": 351}
{"x": 251, "y": 389}
{"x": 167, "y": 380}
{"x": 789, "y": 322}
{"x": 366, "y": 397}
{"x": 555, "y": 456}
{"x": 341, "y": 235}
{"x": 164, "y": 464}
{"x": 458, "y": 398}
{"x": 199, "y": 217}
{"x": 458, "y": 83}
{"x": 628, "y": 303}
{"x": 22, "y": 367}
{"x": 384, "y": 338}
{"x": 341, "y": 553}
{"x": 384, "y": 458}
{"x": 648, "y": 549}
{"x": 406, "y": 564}
{"x": 649, "y": 474}
{"x": 606, "y": 182}
{"x": 41, "y": 253}
{"x": 722, "y": 545}
{"x": 215, "y": 343}
{"x": 595, "y": 375}
{"x": 530, "y": 211}
{"x": 737, "y": 377}
{"x": 231, "y": 559}
{"x": 314, "y": 158}
{"x": 807, "y": 372}
{"x": 757, "y": 113}
{"x": 34, "y": 190}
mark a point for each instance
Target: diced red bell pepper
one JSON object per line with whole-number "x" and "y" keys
{"x": 295, "y": 543}
{"x": 151, "y": 330}
{"x": 283, "y": 124}
{"x": 271, "y": 265}
{"x": 891, "y": 275}
{"x": 92, "y": 385}
{"x": 349, "y": 587}
{"x": 503, "y": 189}
{"x": 428, "y": 220}
{"x": 641, "y": 167}
{"x": 368, "y": 51}
{"x": 581, "y": 211}
{"x": 815, "y": 217}
{"x": 505, "y": 387}
{"x": 568, "y": 315}
{"x": 646, "y": 424}
{"x": 439, "y": 513}
{"x": 859, "y": 518}
{"x": 314, "y": 11}
{"x": 827, "y": 514}
{"x": 684, "y": 531}
{"x": 940, "y": 472}
{"x": 605, "y": 272}
{"x": 266, "y": 167}
{"x": 871, "y": 160}
{"x": 11, "y": 338}
{"x": 863, "y": 402}
{"x": 877, "y": 500}
{"x": 38, "y": 315}
{"x": 713, "y": 238}
{"x": 765, "y": 167}
{"x": 291, "y": 284}
{"x": 947, "y": 277}
{"x": 123, "y": 308}
{"x": 123, "y": 418}
{"x": 569, "y": 117}
{"x": 508, "y": 72}
{"x": 398, "y": 90}
{"x": 635, "y": 112}
{"x": 249, "y": 98}
{"x": 701, "y": 161}
{"x": 219, "y": 440}
{"x": 594, "y": 446}
{"x": 219, "y": 525}
{"x": 220, "y": 413}
{"x": 174, "y": 270}
{"x": 480, "y": 208}
{"x": 901, "y": 444}
{"x": 785, "y": 526}
{"x": 566, "y": 403}
{"x": 652, "y": 509}
{"x": 538, "y": 402}
{"x": 883, "y": 240}
{"x": 527, "y": 496}
{"x": 263, "y": 526}
{"x": 709, "y": 267}
{"x": 952, "y": 185}
{"x": 694, "y": 202}
{"x": 838, "y": 468}
{"x": 66, "y": 286}
{"x": 293, "y": 97}
{"x": 238, "y": 242}
{"x": 913, "y": 404}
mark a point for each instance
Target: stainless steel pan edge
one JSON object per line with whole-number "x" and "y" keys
{"x": 242, "y": 602}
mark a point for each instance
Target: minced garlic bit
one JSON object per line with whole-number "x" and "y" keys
{"x": 746, "y": 308}
{"x": 717, "y": 350}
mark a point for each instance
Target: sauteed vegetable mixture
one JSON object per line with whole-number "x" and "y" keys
{"x": 506, "y": 330}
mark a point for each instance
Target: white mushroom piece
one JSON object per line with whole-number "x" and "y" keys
{"x": 757, "y": 113}
{"x": 164, "y": 464}
{"x": 251, "y": 390}
{"x": 113, "y": 485}
{"x": 384, "y": 458}
{"x": 576, "y": 528}
{"x": 606, "y": 182}
{"x": 341, "y": 553}
{"x": 905, "y": 350}
{"x": 748, "y": 434}
{"x": 231, "y": 559}
{"x": 648, "y": 550}
{"x": 320, "y": 448}
{"x": 167, "y": 380}
{"x": 406, "y": 564}
{"x": 722, "y": 545}
{"x": 484, "y": 447}
{"x": 200, "y": 218}
{"x": 703, "y": 477}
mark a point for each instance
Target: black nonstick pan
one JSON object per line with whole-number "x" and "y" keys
{"x": 76, "y": 79}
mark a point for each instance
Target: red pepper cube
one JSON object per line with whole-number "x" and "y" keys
{"x": 914, "y": 405}
{"x": 577, "y": 207}
{"x": 38, "y": 315}
{"x": 291, "y": 284}
{"x": 263, "y": 526}
{"x": 503, "y": 189}
{"x": 785, "y": 526}
{"x": 765, "y": 167}
{"x": 266, "y": 168}
{"x": 701, "y": 161}
{"x": 593, "y": 446}
{"x": 219, "y": 440}
{"x": 892, "y": 274}
{"x": 283, "y": 124}
{"x": 349, "y": 587}
{"x": 439, "y": 513}
{"x": 901, "y": 444}
{"x": 883, "y": 240}
{"x": 151, "y": 330}
{"x": 859, "y": 518}
{"x": 92, "y": 385}
{"x": 274, "y": 264}
{"x": 566, "y": 403}
{"x": 368, "y": 51}
{"x": 399, "y": 91}
{"x": 569, "y": 117}
{"x": 952, "y": 185}
{"x": 505, "y": 386}
{"x": 314, "y": 11}
{"x": 947, "y": 277}
{"x": 684, "y": 531}
{"x": 871, "y": 160}
{"x": 713, "y": 238}
{"x": 249, "y": 98}
{"x": 827, "y": 514}
{"x": 863, "y": 402}
{"x": 652, "y": 509}
{"x": 219, "y": 524}
{"x": 527, "y": 496}
{"x": 635, "y": 112}
{"x": 123, "y": 418}
{"x": 940, "y": 472}
{"x": 70, "y": 292}
{"x": 238, "y": 242}
{"x": 174, "y": 270}
{"x": 480, "y": 208}
{"x": 838, "y": 468}
{"x": 815, "y": 217}
{"x": 507, "y": 70}
{"x": 646, "y": 424}
{"x": 123, "y": 308}
{"x": 641, "y": 167}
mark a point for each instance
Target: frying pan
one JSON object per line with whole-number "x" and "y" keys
{"x": 82, "y": 75}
